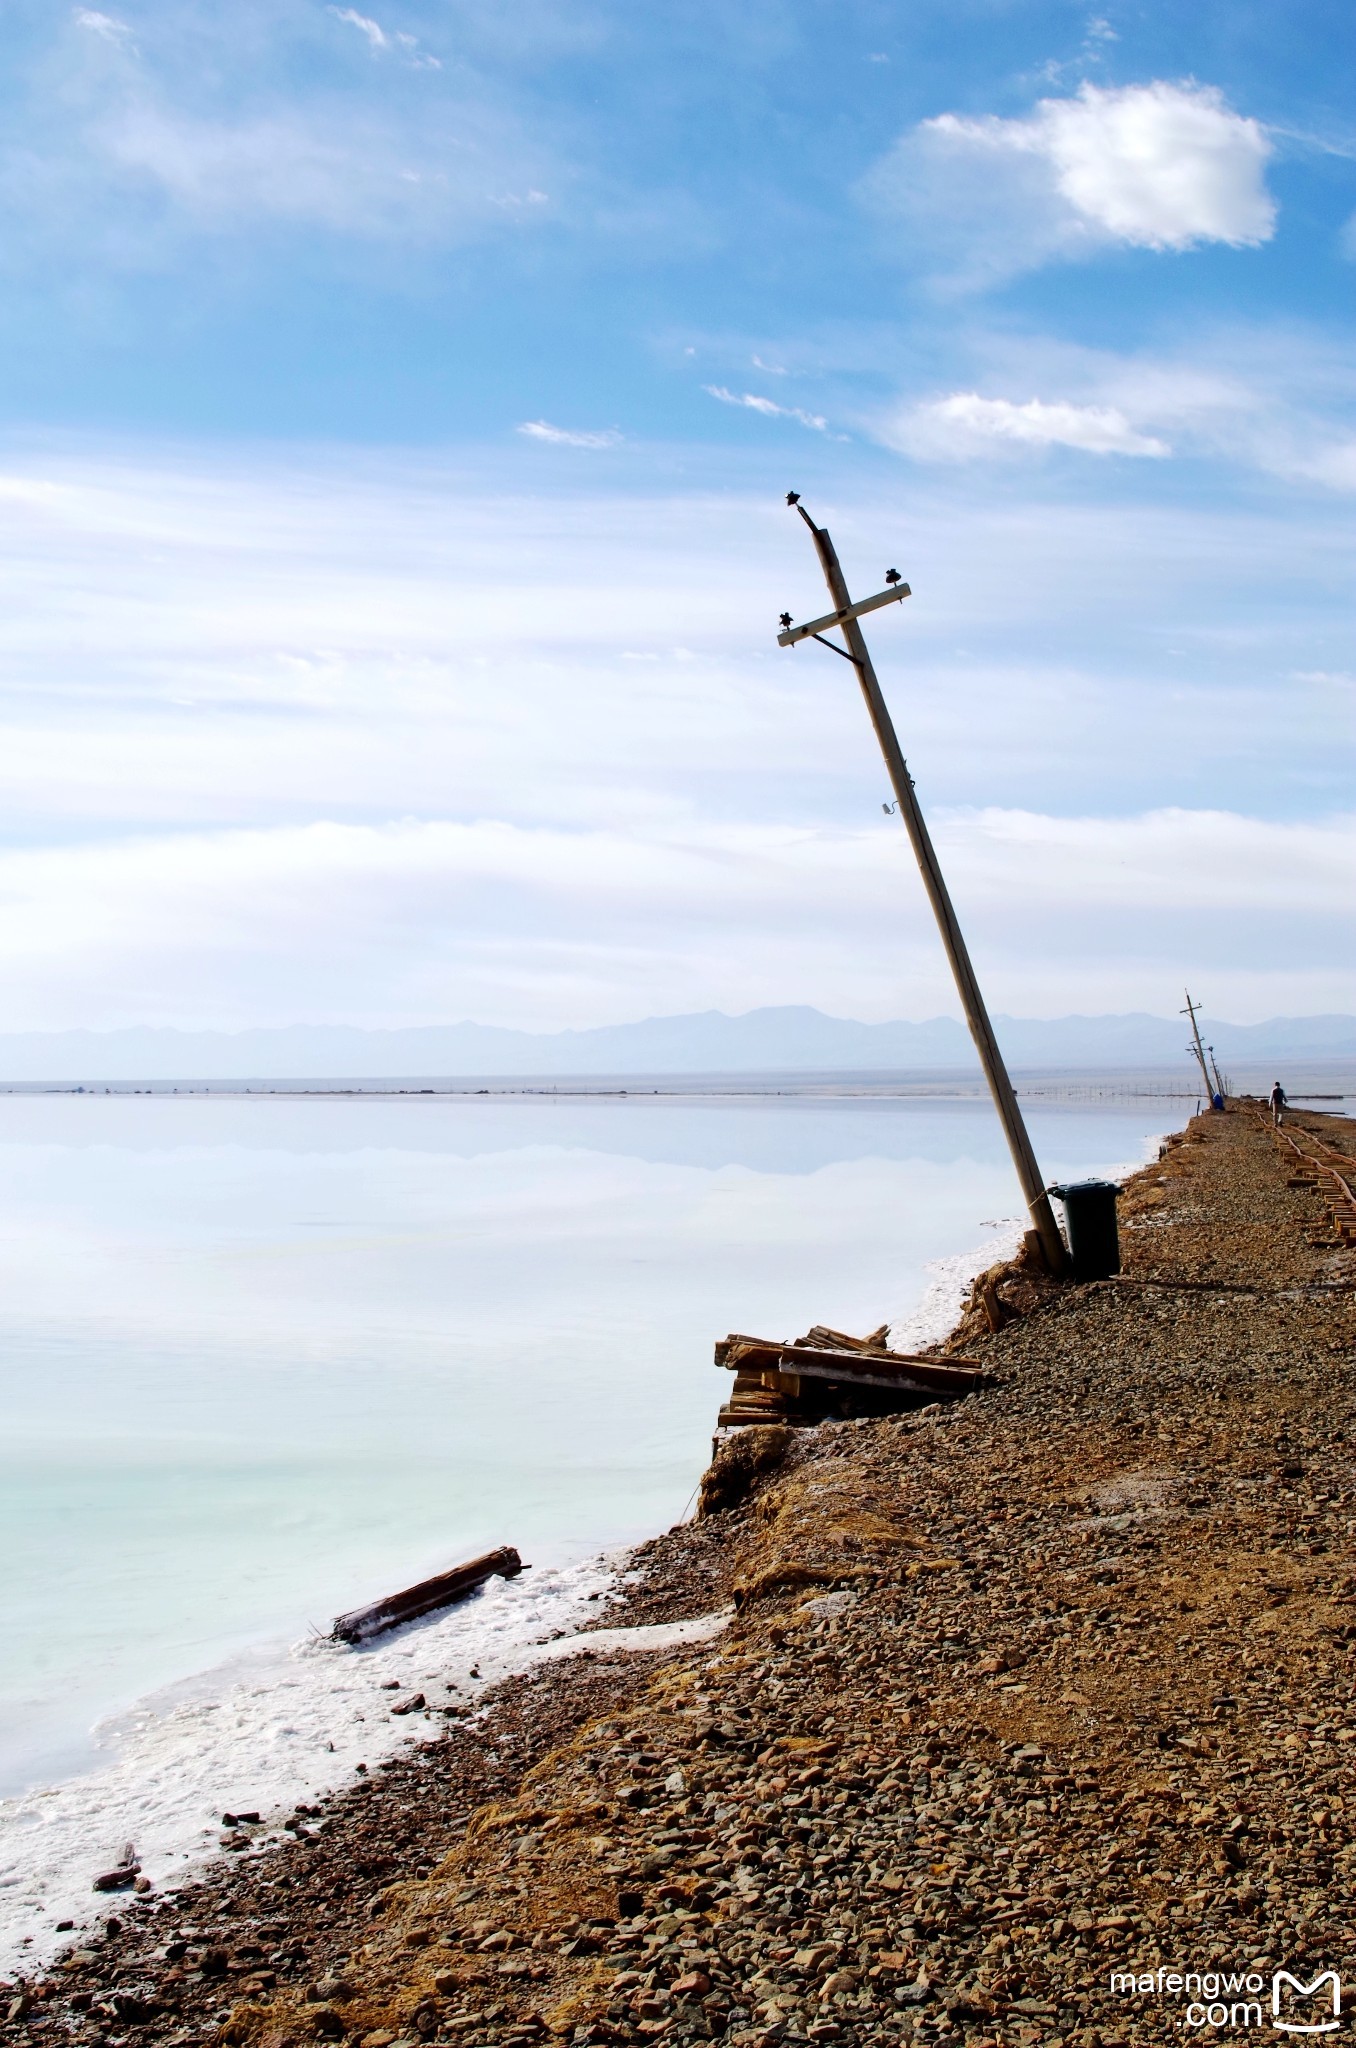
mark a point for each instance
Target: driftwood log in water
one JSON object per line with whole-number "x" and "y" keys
{"x": 426, "y": 1597}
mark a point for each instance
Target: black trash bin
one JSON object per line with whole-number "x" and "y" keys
{"x": 1090, "y": 1225}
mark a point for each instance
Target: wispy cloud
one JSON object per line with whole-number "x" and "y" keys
{"x": 557, "y": 926}
{"x": 570, "y": 437}
{"x": 399, "y": 40}
{"x": 966, "y": 425}
{"x": 373, "y": 30}
{"x": 352, "y": 177}
{"x": 1162, "y": 166}
{"x": 1275, "y": 400}
{"x": 1098, "y": 35}
{"x": 769, "y": 408}
{"x": 362, "y": 739}
{"x": 139, "y": 149}
{"x": 106, "y": 25}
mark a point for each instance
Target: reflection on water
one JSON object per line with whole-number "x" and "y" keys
{"x": 264, "y": 1359}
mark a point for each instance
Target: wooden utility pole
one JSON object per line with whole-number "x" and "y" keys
{"x": 844, "y": 619}
{"x": 1197, "y": 1047}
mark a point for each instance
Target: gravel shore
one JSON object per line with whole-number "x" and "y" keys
{"x": 1014, "y": 1695}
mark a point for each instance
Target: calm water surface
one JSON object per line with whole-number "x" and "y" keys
{"x": 263, "y": 1359}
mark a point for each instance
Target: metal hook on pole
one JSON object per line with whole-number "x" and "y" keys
{"x": 844, "y": 619}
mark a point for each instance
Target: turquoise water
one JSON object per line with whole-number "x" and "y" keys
{"x": 263, "y": 1359}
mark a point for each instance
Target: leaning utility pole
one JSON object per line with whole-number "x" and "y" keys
{"x": 844, "y": 618}
{"x": 1197, "y": 1047}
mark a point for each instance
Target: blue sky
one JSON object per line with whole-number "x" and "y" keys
{"x": 399, "y": 405}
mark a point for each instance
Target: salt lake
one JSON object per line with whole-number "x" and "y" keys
{"x": 264, "y": 1358}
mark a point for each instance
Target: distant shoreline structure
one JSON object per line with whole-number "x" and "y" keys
{"x": 1308, "y": 1081}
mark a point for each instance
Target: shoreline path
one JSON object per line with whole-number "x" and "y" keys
{"x": 1052, "y": 1684}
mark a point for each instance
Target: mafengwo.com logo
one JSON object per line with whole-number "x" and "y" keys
{"x": 1212, "y": 2000}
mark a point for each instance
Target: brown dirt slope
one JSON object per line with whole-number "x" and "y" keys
{"x": 1050, "y": 1684}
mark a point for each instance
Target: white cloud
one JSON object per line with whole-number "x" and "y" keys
{"x": 375, "y": 33}
{"x": 1140, "y": 864}
{"x": 769, "y": 408}
{"x": 1278, "y": 401}
{"x": 378, "y": 38}
{"x": 419, "y": 61}
{"x": 105, "y": 25}
{"x": 569, "y": 437}
{"x": 427, "y": 919}
{"x": 1159, "y": 166}
{"x": 967, "y": 425}
{"x": 361, "y": 738}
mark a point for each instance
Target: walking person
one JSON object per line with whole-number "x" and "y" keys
{"x": 1277, "y": 1101}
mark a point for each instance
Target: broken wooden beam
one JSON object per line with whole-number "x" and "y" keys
{"x": 426, "y": 1597}
{"x": 906, "y": 1372}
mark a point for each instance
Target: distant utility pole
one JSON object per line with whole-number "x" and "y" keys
{"x": 1221, "y": 1090}
{"x": 843, "y": 618}
{"x": 1196, "y": 1046}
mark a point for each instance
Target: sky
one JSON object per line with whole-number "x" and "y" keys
{"x": 397, "y": 411}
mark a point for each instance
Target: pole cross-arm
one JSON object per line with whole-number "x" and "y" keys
{"x": 791, "y": 634}
{"x": 845, "y": 617}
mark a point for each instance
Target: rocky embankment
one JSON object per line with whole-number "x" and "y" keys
{"x": 1017, "y": 1694}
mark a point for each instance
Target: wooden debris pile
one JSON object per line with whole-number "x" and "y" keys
{"x": 827, "y": 1373}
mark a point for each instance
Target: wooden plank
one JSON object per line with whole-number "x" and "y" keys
{"x": 736, "y": 1350}
{"x": 426, "y": 1597}
{"x": 825, "y": 1339}
{"x": 908, "y": 1371}
{"x": 732, "y": 1350}
{"x": 856, "y": 1369}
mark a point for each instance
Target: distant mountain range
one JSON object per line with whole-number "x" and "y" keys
{"x": 789, "y": 1040}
